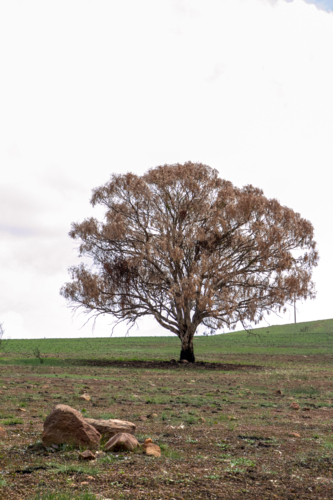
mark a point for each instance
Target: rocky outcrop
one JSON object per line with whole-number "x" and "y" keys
{"x": 66, "y": 425}
{"x": 109, "y": 428}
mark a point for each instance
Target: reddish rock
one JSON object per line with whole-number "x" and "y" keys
{"x": 87, "y": 455}
{"x": 122, "y": 442}
{"x": 279, "y": 392}
{"x": 294, "y": 434}
{"x": 294, "y": 406}
{"x": 3, "y": 433}
{"x": 151, "y": 449}
{"x": 111, "y": 427}
{"x": 66, "y": 425}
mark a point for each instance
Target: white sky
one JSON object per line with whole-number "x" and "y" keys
{"x": 94, "y": 87}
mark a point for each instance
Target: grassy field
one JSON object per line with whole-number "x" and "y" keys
{"x": 226, "y": 433}
{"x": 295, "y": 339}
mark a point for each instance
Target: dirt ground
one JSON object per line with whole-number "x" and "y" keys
{"x": 224, "y": 432}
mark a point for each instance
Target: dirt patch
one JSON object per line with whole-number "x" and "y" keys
{"x": 224, "y": 432}
{"x": 165, "y": 365}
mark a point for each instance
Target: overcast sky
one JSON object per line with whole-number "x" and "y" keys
{"x": 89, "y": 88}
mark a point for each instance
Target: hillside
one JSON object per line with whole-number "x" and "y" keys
{"x": 302, "y": 338}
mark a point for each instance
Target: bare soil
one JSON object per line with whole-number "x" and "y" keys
{"x": 224, "y": 434}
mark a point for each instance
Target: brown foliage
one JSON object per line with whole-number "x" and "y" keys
{"x": 190, "y": 249}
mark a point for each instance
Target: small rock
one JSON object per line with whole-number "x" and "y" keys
{"x": 183, "y": 361}
{"x": 21, "y": 409}
{"x": 294, "y": 406}
{"x": 84, "y": 483}
{"x": 85, "y": 397}
{"x": 294, "y": 434}
{"x": 87, "y": 455}
{"x": 153, "y": 450}
{"x": 305, "y": 408}
{"x": 279, "y": 392}
{"x": 122, "y": 441}
{"x": 3, "y": 433}
{"x": 202, "y": 419}
{"x": 152, "y": 415}
{"x": 143, "y": 418}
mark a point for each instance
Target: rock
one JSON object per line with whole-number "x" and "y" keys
{"x": 3, "y": 433}
{"x": 201, "y": 419}
{"x": 183, "y": 361}
{"x": 85, "y": 397}
{"x": 66, "y": 425}
{"x": 21, "y": 409}
{"x": 279, "y": 392}
{"x": 87, "y": 455}
{"x": 152, "y": 415}
{"x": 122, "y": 441}
{"x": 143, "y": 418}
{"x": 151, "y": 449}
{"x": 294, "y": 406}
{"x": 294, "y": 434}
{"x": 305, "y": 408}
{"x": 109, "y": 428}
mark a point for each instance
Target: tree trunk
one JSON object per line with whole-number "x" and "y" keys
{"x": 187, "y": 347}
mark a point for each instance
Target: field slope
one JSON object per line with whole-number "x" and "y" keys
{"x": 312, "y": 338}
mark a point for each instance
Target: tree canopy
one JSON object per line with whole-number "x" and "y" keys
{"x": 188, "y": 248}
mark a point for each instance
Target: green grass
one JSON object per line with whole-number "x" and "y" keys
{"x": 309, "y": 338}
{"x": 11, "y": 421}
{"x": 64, "y": 496}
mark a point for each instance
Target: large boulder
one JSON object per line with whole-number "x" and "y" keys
{"x": 66, "y": 425}
{"x": 122, "y": 442}
{"x": 109, "y": 428}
